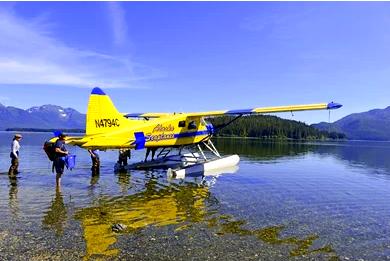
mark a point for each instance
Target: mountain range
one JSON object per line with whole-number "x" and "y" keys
{"x": 370, "y": 125}
{"x": 42, "y": 117}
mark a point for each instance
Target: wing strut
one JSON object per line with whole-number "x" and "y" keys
{"x": 217, "y": 128}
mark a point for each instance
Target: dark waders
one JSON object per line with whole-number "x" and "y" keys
{"x": 13, "y": 169}
{"x": 95, "y": 165}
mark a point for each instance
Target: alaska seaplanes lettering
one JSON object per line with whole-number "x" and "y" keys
{"x": 161, "y": 128}
{"x": 103, "y": 123}
{"x": 160, "y": 134}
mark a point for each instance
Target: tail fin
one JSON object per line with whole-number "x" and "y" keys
{"x": 102, "y": 116}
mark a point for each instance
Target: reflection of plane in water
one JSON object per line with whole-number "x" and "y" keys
{"x": 156, "y": 206}
{"x": 178, "y": 205}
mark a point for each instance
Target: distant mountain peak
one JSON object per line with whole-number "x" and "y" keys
{"x": 51, "y": 108}
{"x": 370, "y": 125}
{"x": 45, "y": 107}
{"x": 44, "y": 116}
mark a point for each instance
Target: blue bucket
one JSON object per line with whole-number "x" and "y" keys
{"x": 70, "y": 161}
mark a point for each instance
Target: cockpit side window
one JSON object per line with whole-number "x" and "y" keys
{"x": 192, "y": 125}
{"x": 182, "y": 124}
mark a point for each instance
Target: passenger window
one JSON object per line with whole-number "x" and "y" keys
{"x": 191, "y": 125}
{"x": 182, "y": 124}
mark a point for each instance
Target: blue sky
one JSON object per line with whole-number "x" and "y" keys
{"x": 197, "y": 56}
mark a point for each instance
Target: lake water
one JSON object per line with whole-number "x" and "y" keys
{"x": 323, "y": 201}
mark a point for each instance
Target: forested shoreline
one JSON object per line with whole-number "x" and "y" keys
{"x": 271, "y": 127}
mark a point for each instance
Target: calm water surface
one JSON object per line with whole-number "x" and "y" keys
{"x": 287, "y": 201}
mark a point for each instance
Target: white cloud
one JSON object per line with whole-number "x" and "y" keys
{"x": 119, "y": 26}
{"x": 29, "y": 54}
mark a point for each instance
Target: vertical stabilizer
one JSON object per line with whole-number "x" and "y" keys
{"x": 102, "y": 116}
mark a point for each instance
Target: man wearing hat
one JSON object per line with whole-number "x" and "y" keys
{"x": 15, "y": 146}
{"x": 59, "y": 161}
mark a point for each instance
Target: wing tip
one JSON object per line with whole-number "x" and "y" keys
{"x": 334, "y": 105}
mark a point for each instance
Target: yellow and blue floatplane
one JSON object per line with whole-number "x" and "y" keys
{"x": 182, "y": 141}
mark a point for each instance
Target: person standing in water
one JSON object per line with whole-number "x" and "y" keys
{"x": 122, "y": 158}
{"x": 15, "y": 146}
{"x": 95, "y": 161}
{"x": 59, "y": 159}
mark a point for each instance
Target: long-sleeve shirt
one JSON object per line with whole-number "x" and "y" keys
{"x": 15, "y": 146}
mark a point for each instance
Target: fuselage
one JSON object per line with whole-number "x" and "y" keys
{"x": 172, "y": 131}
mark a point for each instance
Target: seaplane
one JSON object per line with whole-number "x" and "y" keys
{"x": 182, "y": 141}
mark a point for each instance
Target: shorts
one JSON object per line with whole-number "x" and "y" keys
{"x": 59, "y": 165}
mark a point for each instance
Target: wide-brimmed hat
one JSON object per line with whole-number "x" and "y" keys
{"x": 18, "y": 136}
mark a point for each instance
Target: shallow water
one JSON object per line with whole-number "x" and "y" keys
{"x": 324, "y": 201}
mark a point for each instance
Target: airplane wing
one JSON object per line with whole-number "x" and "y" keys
{"x": 260, "y": 110}
{"x": 147, "y": 115}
